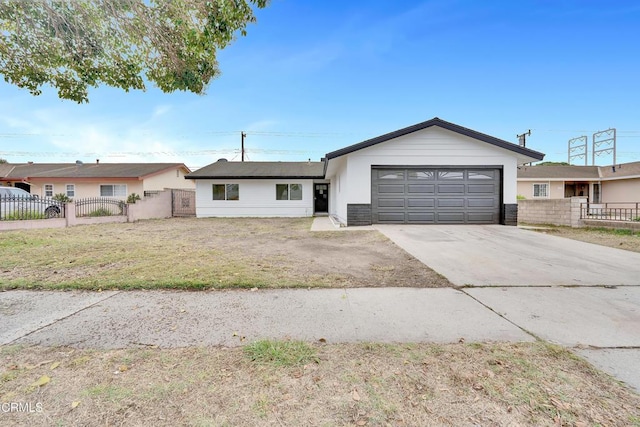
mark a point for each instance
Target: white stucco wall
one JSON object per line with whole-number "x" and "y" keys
{"x": 257, "y": 199}
{"x": 433, "y": 146}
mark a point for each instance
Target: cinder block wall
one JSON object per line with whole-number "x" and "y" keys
{"x": 551, "y": 211}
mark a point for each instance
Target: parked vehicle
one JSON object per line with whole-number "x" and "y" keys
{"x": 16, "y": 203}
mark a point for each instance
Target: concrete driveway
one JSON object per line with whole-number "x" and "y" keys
{"x": 582, "y": 296}
{"x": 495, "y": 255}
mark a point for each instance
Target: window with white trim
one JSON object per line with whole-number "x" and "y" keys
{"x": 70, "y": 190}
{"x": 541, "y": 190}
{"x": 288, "y": 191}
{"x": 113, "y": 190}
{"x": 48, "y": 190}
{"x": 226, "y": 192}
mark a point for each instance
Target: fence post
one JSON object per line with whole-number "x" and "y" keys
{"x": 70, "y": 214}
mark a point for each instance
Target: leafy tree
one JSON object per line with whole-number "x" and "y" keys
{"x": 3, "y": 160}
{"x": 552, "y": 164}
{"x": 76, "y": 44}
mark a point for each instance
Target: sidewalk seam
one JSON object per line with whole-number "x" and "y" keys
{"x": 62, "y": 318}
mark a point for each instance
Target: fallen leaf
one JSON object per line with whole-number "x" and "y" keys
{"x": 323, "y": 340}
{"x": 74, "y": 404}
{"x": 42, "y": 381}
{"x": 361, "y": 422}
{"x": 54, "y": 365}
{"x": 478, "y": 387}
{"x": 123, "y": 368}
{"x": 354, "y": 395}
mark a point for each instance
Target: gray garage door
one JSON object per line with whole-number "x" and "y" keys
{"x": 427, "y": 195}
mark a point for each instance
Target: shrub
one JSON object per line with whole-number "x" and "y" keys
{"x": 101, "y": 212}
{"x": 133, "y": 197}
{"x": 520, "y": 197}
{"x": 61, "y": 197}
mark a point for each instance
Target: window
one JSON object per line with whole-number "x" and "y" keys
{"x": 226, "y": 192}
{"x": 480, "y": 174}
{"x": 48, "y": 190}
{"x": 418, "y": 174}
{"x": 390, "y": 174}
{"x": 71, "y": 190}
{"x": 113, "y": 190}
{"x": 451, "y": 175}
{"x": 540, "y": 190}
{"x": 288, "y": 191}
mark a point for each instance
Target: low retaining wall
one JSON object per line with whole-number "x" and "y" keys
{"x": 156, "y": 207}
{"x": 628, "y": 225}
{"x": 551, "y": 211}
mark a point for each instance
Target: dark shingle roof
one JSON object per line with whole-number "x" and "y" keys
{"x": 558, "y": 172}
{"x": 445, "y": 125}
{"x": 262, "y": 170}
{"x": 89, "y": 170}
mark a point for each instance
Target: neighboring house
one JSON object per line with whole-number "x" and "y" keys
{"x": 80, "y": 180}
{"x": 432, "y": 172}
{"x": 600, "y": 184}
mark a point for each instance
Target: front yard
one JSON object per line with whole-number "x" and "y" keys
{"x": 211, "y": 253}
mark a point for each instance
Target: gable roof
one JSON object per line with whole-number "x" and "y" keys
{"x": 262, "y": 170}
{"x": 558, "y": 172}
{"x": 445, "y": 125}
{"x": 89, "y": 170}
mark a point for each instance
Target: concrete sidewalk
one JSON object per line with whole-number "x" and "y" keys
{"x": 232, "y": 318}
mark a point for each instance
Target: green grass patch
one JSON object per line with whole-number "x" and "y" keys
{"x": 281, "y": 353}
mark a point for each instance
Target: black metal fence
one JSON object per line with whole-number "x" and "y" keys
{"x": 32, "y": 207}
{"x": 620, "y": 211}
{"x": 100, "y": 206}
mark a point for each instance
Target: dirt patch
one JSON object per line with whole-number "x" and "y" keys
{"x": 191, "y": 253}
{"x": 356, "y": 384}
{"x": 619, "y": 239}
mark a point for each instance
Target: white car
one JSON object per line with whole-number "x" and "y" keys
{"x": 15, "y": 203}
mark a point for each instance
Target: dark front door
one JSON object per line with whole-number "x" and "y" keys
{"x": 321, "y": 198}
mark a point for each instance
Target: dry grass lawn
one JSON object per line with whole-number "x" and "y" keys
{"x": 192, "y": 253}
{"x": 330, "y": 385}
{"x": 619, "y": 239}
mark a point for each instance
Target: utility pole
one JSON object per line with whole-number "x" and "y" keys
{"x": 522, "y": 139}
{"x": 242, "y": 136}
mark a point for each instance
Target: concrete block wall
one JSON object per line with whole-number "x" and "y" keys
{"x": 551, "y": 211}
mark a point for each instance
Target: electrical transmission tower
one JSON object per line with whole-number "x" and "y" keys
{"x": 578, "y": 149}
{"x": 607, "y": 140}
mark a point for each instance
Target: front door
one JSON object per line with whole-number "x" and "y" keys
{"x": 321, "y": 198}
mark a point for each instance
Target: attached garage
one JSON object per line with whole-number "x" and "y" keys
{"x": 428, "y": 195}
{"x": 434, "y": 172}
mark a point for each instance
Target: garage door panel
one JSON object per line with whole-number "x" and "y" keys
{"x": 421, "y": 217}
{"x": 482, "y": 203}
{"x": 391, "y": 203}
{"x": 480, "y": 217}
{"x": 391, "y": 217}
{"x": 431, "y": 195}
{"x": 421, "y": 203}
{"x": 391, "y": 188}
{"x": 450, "y": 188}
{"x": 426, "y": 189}
{"x": 457, "y": 217}
{"x": 451, "y": 203}
{"x": 481, "y": 188}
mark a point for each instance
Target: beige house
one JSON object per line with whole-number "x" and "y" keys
{"x": 600, "y": 184}
{"x": 81, "y": 180}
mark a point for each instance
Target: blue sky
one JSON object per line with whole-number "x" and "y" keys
{"x": 314, "y": 76}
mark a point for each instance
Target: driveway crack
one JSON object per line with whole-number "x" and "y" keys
{"x": 351, "y": 316}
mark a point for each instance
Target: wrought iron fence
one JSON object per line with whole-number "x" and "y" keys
{"x": 30, "y": 207}
{"x": 620, "y": 211}
{"x": 100, "y": 206}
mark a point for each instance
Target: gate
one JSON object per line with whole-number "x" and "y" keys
{"x": 183, "y": 203}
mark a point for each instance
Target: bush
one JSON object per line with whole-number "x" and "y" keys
{"x": 101, "y": 212}
{"x": 520, "y": 197}
{"x": 24, "y": 215}
{"x": 63, "y": 198}
{"x": 133, "y": 197}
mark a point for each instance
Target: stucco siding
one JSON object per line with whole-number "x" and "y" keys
{"x": 623, "y": 190}
{"x": 555, "y": 188}
{"x": 84, "y": 189}
{"x": 168, "y": 179}
{"x": 257, "y": 198}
